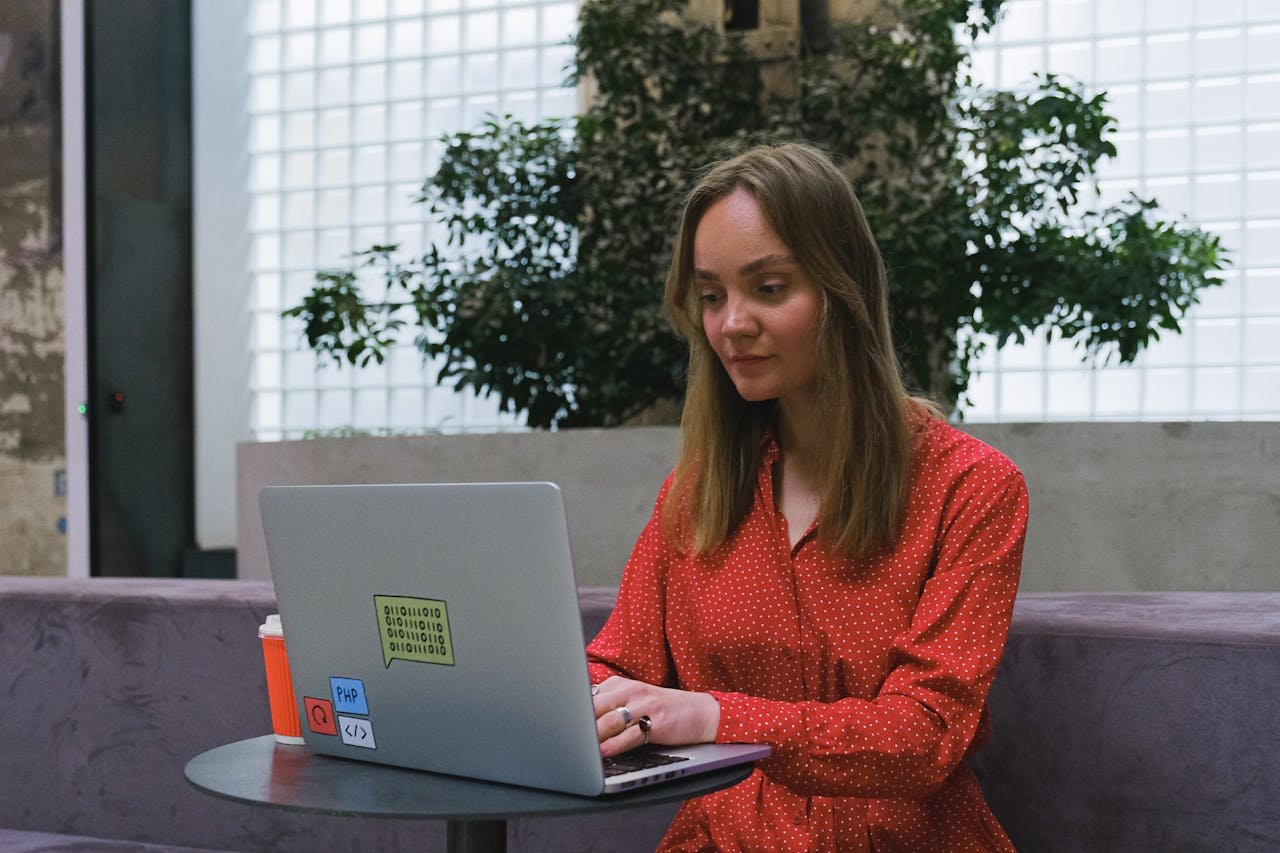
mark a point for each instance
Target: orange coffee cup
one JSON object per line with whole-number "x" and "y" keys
{"x": 284, "y": 710}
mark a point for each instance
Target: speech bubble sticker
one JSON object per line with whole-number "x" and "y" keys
{"x": 414, "y": 629}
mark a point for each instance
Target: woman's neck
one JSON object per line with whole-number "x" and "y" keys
{"x": 798, "y": 433}
{"x": 796, "y": 479}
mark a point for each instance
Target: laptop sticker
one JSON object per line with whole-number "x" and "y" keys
{"x": 414, "y": 629}
{"x": 349, "y": 696}
{"x": 357, "y": 732}
{"x": 320, "y": 716}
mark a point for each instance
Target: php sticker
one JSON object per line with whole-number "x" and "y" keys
{"x": 414, "y": 629}
{"x": 349, "y": 696}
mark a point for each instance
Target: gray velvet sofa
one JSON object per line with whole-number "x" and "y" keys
{"x": 109, "y": 687}
{"x": 1121, "y": 722}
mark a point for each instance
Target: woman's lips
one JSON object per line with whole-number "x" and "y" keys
{"x": 747, "y": 363}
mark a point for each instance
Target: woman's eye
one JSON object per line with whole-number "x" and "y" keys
{"x": 772, "y": 288}
{"x": 710, "y": 298}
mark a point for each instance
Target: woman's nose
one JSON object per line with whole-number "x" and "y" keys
{"x": 738, "y": 317}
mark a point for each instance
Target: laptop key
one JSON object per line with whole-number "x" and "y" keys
{"x": 638, "y": 760}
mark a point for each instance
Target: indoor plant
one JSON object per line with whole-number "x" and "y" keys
{"x": 974, "y": 195}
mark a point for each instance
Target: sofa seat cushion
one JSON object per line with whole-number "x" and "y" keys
{"x": 1138, "y": 721}
{"x": 22, "y": 841}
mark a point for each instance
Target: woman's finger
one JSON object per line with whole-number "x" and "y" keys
{"x": 614, "y": 721}
{"x": 608, "y": 694}
{"x": 624, "y": 741}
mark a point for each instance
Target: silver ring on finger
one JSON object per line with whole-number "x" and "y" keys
{"x": 626, "y": 715}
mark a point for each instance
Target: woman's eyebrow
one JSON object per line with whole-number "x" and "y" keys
{"x": 751, "y": 268}
{"x": 772, "y": 260}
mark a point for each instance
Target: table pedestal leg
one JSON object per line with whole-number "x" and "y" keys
{"x": 477, "y": 836}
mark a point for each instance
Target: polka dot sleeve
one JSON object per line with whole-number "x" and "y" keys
{"x": 632, "y": 642}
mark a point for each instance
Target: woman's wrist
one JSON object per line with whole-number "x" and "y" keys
{"x": 712, "y": 717}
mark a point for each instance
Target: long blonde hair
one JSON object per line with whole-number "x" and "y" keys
{"x": 865, "y": 412}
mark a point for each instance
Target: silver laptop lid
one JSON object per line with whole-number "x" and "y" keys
{"x": 436, "y": 627}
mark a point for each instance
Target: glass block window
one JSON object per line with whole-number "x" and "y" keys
{"x": 346, "y": 101}
{"x": 1195, "y": 85}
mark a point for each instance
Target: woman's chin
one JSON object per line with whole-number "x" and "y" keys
{"x": 754, "y": 394}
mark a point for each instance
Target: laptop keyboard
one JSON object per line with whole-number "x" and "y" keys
{"x": 640, "y": 759}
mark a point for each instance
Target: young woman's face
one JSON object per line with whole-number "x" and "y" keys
{"x": 760, "y": 311}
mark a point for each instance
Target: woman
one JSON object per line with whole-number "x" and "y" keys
{"x": 830, "y": 569}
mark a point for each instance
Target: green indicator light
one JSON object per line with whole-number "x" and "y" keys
{"x": 82, "y": 408}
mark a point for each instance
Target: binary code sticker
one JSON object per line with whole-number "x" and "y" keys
{"x": 414, "y": 629}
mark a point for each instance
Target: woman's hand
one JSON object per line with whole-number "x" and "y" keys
{"x": 671, "y": 717}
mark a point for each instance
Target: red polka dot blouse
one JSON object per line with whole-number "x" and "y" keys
{"x": 868, "y": 678}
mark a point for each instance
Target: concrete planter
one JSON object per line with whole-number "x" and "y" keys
{"x": 1114, "y": 506}
{"x": 610, "y": 479}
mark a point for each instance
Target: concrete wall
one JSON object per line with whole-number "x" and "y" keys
{"x": 1132, "y": 506}
{"x": 1148, "y": 506}
{"x": 609, "y": 477}
{"x": 32, "y": 443}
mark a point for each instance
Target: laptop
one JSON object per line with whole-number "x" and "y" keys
{"x": 436, "y": 627}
